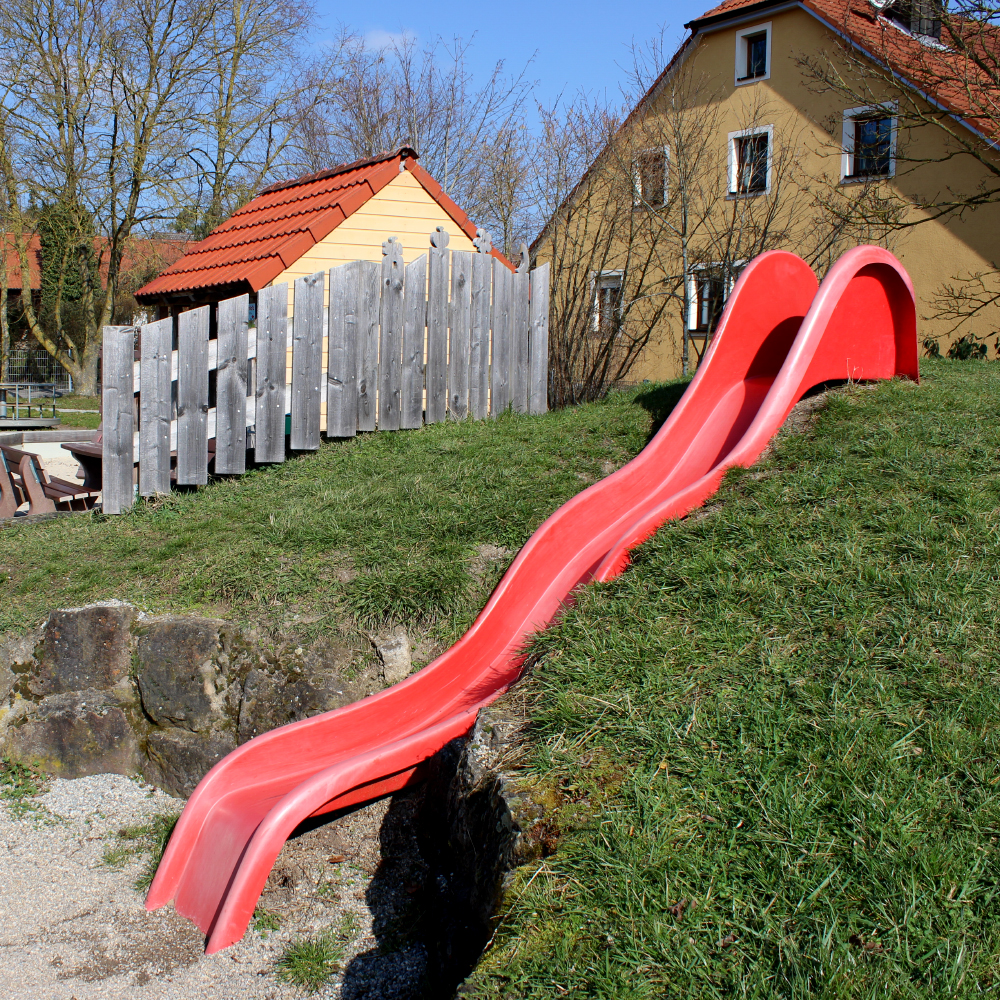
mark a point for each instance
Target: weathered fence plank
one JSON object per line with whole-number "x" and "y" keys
{"x": 538, "y": 382}
{"x": 231, "y": 388}
{"x": 460, "y": 338}
{"x": 414, "y": 326}
{"x": 192, "y": 397}
{"x": 342, "y": 364}
{"x": 501, "y": 323}
{"x": 390, "y": 369}
{"x": 154, "y": 407}
{"x": 437, "y": 334}
{"x": 118, "y": 395}
{"x": 368, "y": 316}
{"x": 307, "y": 362}
{"x": 272, "y": 348}
{"x": 479, "y": 346}
{"x": 520, "y": 338}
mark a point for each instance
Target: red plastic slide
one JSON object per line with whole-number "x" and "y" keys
{"x": 777, "y": 338}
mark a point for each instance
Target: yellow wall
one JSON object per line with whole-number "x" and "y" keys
{"x": 403, "y": 209}
{"x": 810, "y": 124}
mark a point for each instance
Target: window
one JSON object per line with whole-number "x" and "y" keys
{"x": 753, "y": 54}
{"x": 750, "y": 161}
{"x": 709, "y": 286}
{"x": 650, "y": 173}
{"x": 869, "y": 143}
{"x": 607, "y": 304}
{"x": 920, "y": 17}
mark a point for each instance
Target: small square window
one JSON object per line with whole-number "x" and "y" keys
{"x": 710, "y": 297}
{"x": 606, "y": 316}
{"x": 869, "y": 143}
{"x": 751, "y": 153}
{"x": 753, "y": 54}
{"x": 650, "y": 173}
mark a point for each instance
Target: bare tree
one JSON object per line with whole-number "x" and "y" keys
{"x": 467, "y": 134}
{"x": 258, "y": 90}
{"x": 937, "y": 66}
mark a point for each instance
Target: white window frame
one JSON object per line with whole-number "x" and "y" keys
{"x": 890, "y": 110}
{"x": 744, "y": 134}
{"x": 637, "y": 199}
{"x": 599, "y": 280}
{"x": 741, "y": 54}
{"x": 692, "y": 291}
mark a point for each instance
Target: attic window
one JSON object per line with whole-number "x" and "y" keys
{"x": 921, "y": 17}
{"x": 753, "y": 54}
{"x": 650, "y": 176}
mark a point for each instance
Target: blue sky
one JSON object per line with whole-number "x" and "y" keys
{"x": 575, "y": 44}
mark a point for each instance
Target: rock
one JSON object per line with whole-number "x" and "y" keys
{"x": 178, "y": 759}
{"x": 394, "y": 652}
{"x": 271, "y": 699}
{"x": 17, "y": 656}
{"x": 182, "y": 673}
{"x": 73, "y": 734}
{"x": 83, "y": 648}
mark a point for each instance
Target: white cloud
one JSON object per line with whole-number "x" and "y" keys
{"x": 379, "y": 38}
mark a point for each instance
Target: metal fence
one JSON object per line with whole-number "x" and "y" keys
{"x": 38, "y": 367}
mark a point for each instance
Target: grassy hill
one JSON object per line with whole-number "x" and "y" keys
{"x": 776, "y": 738}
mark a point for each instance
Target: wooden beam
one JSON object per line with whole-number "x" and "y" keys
{"x": 307, "y": 362}
{"x": 272, "y": 349}
{"x": 342, "y": 364}
{"x": 231, "y": 387}
{"x": 390, "y": 371}
{"x": 414, "y": 328}
{"x": 192, "y": 397}
{"x": 538, "y": 351}
{"x": 461, "y": 334}
{"x": 117, "y": 396}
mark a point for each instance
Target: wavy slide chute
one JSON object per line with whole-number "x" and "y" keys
{"x": 778, "y": 337}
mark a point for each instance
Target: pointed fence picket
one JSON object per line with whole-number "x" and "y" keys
{"x": 452, "y": 333}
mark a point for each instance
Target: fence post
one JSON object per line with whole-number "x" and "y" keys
{"x": 154, "y": 407}
{"x": 117, "y": 458}
{"x": 307, "y": 362}
{"x": 342, "y": 364}
{"x": 192, "y": 397}
{"x": 479, "y": 344}
{"x": 538, "y": 388}
{"x": 461, "y": 334}
{"x": 272, "y": 346}
{"x": 437, "y": 327}
{"x": 520, "y": 336}
{"x": 231, "y": 387}
{"x": 368, "y": 316}
{"x": 414, "y": 327}
{"x": 500, "y": 367}
{"x": 390, "y": 373}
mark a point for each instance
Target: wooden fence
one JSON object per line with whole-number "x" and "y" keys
{"x": 453, "y": 332}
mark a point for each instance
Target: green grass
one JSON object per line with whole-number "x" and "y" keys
{"x": 265, "y": 922}
{"x": 20, "y": 784}
{"x": 772, "y": 746}
{"x": 310, "y": 964}
{"x": 381, "y": 529}
{"x": 143, "y": 841}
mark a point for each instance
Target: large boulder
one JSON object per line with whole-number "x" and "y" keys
{"x": 74, "y": 733}
{"x": 185, "y": 674}
{"x": 83, "y": 648}
{"x": 275, "y": 697}
{"x": 176, "y": 759}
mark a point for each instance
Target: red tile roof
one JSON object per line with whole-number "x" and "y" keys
{"x": 147, "y": 252}
{"x": 266, "y": 236}
{"x": 947, "y": 77}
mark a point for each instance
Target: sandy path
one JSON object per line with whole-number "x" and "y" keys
{"x": 71, "y": 928}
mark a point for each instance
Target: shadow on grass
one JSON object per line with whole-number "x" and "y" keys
{"x": 659, "y": 402}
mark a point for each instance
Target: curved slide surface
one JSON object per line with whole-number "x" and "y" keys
{"x": 777, "y": 338}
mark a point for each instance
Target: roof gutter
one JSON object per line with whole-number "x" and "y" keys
{"x": 740, "y": 14}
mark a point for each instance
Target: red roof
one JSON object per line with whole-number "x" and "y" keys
{"x": 947, "y": 76}
{"x": 149, "y": 252}
{"x": 265, "y": 237}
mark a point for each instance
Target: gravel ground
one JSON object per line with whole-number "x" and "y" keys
{"x": 72, "y": 928}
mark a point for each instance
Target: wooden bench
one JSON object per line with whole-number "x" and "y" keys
{"x": 43, "y": 493}
{"x": 90, "y": 455}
